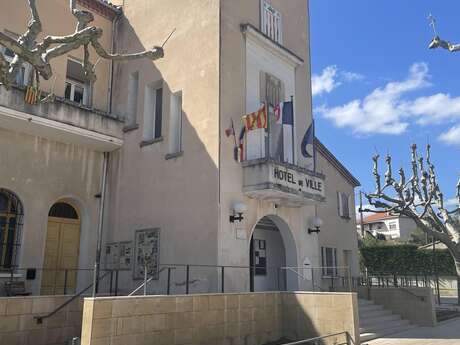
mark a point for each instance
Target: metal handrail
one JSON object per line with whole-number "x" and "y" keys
{"x": 40, "y": 318}
{"x": 291, "y": 269}
{"x": 349, "y": 339}
{"x": 145, "y": 282}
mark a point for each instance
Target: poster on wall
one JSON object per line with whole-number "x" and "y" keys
{"x": 147, "y": 246}
{"x": 260, "y": 257}
{"x": 119, "y": 255}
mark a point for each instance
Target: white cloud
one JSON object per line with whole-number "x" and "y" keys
{"x": 325, "y": 82}
{"x": 452, "y": 136}
{"x": 330, "y": 79}
{"x": 451, "y": 203}
{"x": 381, "y": 111}
{"x": 434, "y": 109}
{"x": 388, "y": 110}
{"x": 351, "y": 76}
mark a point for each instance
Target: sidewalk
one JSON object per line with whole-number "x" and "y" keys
{"x": 446, "y": 333}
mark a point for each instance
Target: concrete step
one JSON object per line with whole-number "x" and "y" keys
{"x": 374, "y": 335}
{"x": 369, "y": 308}
{"x": 380, "y": 318}
{"x": 381, "y": 327}
{"x": 363, "y": 302}
{"x": 373, "y": 313}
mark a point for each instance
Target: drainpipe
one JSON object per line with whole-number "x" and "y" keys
{"x": 112, "y": 63}
{"x": 97, "y": 262}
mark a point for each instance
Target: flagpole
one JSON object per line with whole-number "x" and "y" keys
{"x": 268, "y": 127}
{"x": 292, "y": 129}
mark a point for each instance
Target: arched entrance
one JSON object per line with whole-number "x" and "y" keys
{"x": 11, "y": 215}
{"x": 272, "y": 247}
{"x": 61, "y": 250}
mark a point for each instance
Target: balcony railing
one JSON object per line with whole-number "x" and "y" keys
{"x": 60, "y": 120}
{"x": 282, "y": 183}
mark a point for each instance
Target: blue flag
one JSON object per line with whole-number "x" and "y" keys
{"x": 288, "y": 113}
{"x": 307, "y": 140}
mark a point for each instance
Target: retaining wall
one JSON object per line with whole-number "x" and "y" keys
{"x": 18, "y": 326}
{"x": 247, "y": 318}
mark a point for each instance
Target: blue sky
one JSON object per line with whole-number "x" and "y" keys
{"x": 377, "y": 86}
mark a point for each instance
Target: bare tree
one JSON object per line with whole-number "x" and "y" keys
{"x": 40, "y": 54}
{"x": 421, "y": 199}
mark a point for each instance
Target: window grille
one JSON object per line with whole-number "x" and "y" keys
{"x": 11, "y": 221}
{"x": 272, "y": 22}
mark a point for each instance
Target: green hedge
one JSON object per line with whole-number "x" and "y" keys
{"x": 406, "y": 259}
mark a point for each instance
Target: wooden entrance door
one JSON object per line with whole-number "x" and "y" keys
{"x": 59, "y": 274}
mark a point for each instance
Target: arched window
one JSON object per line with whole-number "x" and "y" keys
{"x": 11, "y": 214}
{"x": 63, "y": 210}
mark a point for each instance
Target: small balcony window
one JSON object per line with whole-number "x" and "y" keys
{"x": 22, "y": 74}
{"x": 271, "y": 22}
{"x": 77, "y": 88}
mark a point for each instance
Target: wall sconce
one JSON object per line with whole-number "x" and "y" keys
{"x": 317, "y": 223}
{"x": 238, "y": 210}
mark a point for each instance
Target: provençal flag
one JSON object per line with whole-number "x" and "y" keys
{"x": 257, "y": 119}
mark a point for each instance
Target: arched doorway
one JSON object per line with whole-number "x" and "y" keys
{"x": 11, "y": 217}
{"x": 272, "y": 248}
{"x": 60, "y": 263}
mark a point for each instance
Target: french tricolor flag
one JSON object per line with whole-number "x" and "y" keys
{"x": 284, "y": 113}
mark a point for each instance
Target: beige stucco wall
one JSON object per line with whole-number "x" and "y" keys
{"x": 57, "y": 20}
{"x": 18, "y": 326}
{"x": 337, "y": 232}
{"x": 236, "y": 319}
{"x": 41, "y": 172}
{"x": 180, "y": 195}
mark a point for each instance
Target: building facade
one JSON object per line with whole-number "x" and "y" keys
{"x": 181, "y": 194}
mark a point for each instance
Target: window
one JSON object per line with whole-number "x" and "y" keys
{"x": 271, "y": 22}
{"x": 175, "y": 123}
{"x": 22, "y": 75}
{"x": 10, "y": 228}
{"x": 131, "y": 105}
{"x": 260, "y": 257}
{"x": 329, "y": 261}
{"x": 343, "y": 205}
{"x": 77, "y": 87}
{"x": 153, "y": 111}
{"x": 393, "y": 226}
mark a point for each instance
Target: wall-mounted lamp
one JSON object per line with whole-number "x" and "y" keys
{"x": 317, "y": 223}
{"x": 238, "y": 210}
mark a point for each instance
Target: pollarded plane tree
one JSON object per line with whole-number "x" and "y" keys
{"x": 419, "y": 198}
{"x": 40, "y": 54}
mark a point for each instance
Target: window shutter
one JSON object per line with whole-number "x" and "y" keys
{"x": 339, "y": 204}
{"x": 263, "y": 87}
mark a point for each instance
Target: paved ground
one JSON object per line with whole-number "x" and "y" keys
{"x": 446, "y": 333}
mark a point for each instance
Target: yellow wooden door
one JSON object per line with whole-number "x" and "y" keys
{"x": 61, "y": 256}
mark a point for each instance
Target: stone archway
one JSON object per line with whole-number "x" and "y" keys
{"x": 272, "y": 246}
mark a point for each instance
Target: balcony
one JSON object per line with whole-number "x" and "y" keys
{"x": 282, "y": 183}
{"x": 61, "y": 120}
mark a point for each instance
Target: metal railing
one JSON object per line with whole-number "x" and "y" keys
{"x": 40, "y": 318}
{"x": 342, "y": 338}
{"x": 403, "y": 282}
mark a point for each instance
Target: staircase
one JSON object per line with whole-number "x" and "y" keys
{"x": 375, "y": 321}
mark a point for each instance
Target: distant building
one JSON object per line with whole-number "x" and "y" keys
{"x": 391, "y": 226}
